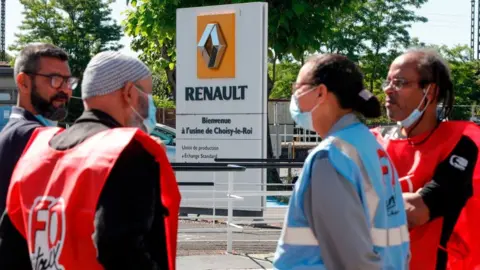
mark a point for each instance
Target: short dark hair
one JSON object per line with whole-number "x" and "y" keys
{"x": 432, "y": 68}
{"x": 28, "y": 58}
{"x": 344, "y": 79}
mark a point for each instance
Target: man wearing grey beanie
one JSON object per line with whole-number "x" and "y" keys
{"x": 112, "y": 172}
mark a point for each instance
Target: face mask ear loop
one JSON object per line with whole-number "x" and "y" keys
{"x": 297, "y": 97}
{"x": 423, "y": 100}
{"x": 420, "y": 119}
{"x": 136, "y": 112}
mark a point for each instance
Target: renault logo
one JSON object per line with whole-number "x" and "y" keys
{"x": 212, "y": 45}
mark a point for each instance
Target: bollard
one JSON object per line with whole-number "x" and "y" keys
{"x": 290, "y": 154}
{"x": 230, "y": 213}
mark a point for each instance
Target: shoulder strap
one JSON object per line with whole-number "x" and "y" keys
{"x": 109, "y": 142}
{"x": 170, "y": 194}
{"x": 41, "y": 136}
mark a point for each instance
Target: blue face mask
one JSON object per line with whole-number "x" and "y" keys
{"x": 416, "y": 114}
{"x": 46, "y": 122}
{"x": 151, "y": 121}
{"x": 303, "y": 119}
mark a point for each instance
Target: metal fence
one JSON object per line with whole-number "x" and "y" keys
{"x": 234, "y": 167}
{"x": 285, "y": 134}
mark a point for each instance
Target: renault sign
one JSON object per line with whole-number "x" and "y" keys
{"x": 221, "y": 100}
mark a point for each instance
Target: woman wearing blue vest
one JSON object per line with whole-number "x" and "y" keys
{"x": 346, "y": 210}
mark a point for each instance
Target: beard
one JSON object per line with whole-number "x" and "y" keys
{"x": 46, "y": 107}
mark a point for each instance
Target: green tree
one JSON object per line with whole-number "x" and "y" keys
{"x": 162, "y": 93}
{"x": 384, "y": 25}
{"x": 286, "y": 74}
{"x": 465, "y": 71}
{"x": 82, "y": 28}
{"x": 294, "y": 28}
{"x": 9, "y": 59}
{"x": 373, "y": 34}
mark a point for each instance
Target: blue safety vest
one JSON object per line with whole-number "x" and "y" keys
{"x": 358, "y": 157}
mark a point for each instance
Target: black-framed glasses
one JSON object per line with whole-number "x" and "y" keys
{"x": 56, "y": 81}
{"x": 395, "y": 84}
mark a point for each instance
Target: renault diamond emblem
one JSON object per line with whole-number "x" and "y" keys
{"x": 212, "y": 45}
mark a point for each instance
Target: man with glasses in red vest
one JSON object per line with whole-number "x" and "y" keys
{"x": 100, "y": 194}
{"x": 436, "y": 161}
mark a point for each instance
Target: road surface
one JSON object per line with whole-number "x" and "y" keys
{"x": 259, "y": 239}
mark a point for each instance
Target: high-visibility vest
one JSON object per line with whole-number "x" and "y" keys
{"x": 53, "y": 195}
{"x": 416, "y": 166}
{"x": 357, "y": 156}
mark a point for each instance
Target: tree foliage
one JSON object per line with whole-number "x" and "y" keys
{"x": 464, "y": 70}
{"x": 286, "y": 74}
{"x": 81, "y": 28}
{"x": 374, "y": 33}
{"x": 295, "y": 27}
{"x": 161, "y": 90}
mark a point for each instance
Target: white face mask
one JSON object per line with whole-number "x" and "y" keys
{"x": 416, "y": 114}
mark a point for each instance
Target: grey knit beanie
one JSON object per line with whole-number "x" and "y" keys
{"x": 109, "y": 71}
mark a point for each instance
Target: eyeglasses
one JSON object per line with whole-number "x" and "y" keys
{"x": 296, "y": 85}
{"x": 56, "y": 81}
{"x": 395, "y": 84}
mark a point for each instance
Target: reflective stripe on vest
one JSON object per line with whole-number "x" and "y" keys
{"x": 370, "y": 193}
{"x": 390, "y": 237}
{"x": 304, "y": 236}
{"x": 299, "y": 236}
{"x": 380, "y": 237}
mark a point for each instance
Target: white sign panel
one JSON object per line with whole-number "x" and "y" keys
{"x": 221, "y": 100}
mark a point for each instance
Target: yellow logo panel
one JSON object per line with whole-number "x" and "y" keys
{"x": 216, "y": 46}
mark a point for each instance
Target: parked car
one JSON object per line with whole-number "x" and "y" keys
{"x": 167, "y": 135}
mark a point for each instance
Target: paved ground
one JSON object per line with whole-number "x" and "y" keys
{"x": 252, "y": 240}
{"x": 221, "y": 262}
{"x": 253, "y": 247}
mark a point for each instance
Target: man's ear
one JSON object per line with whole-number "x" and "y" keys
{"x": 127, "y": 93}
{"x": 432, "y": 92}
{"x": 24, "y": 83}
{"x": 322, "y": 93}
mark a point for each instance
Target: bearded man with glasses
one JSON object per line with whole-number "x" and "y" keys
{"x": 44, "y": 85}
{"x": 436, "y": 161}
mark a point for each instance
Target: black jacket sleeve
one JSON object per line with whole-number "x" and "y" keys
{"x": 14, "y": 253}
{"x": 129, "y": 221}
{"x": 452, "y": 186}
{"x": 13, "y": 247}
{"x": 12, "y": 145}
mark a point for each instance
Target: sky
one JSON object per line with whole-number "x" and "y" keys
{"x": 448, "y": 22}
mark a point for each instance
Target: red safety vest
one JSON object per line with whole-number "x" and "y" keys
{"x": 53, "y": 196}
{"x": 416, "y": 166}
